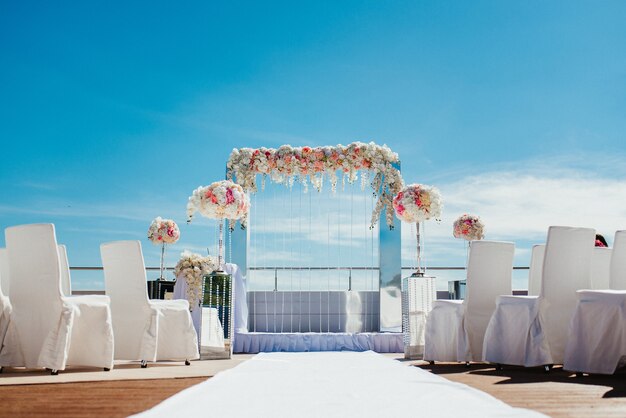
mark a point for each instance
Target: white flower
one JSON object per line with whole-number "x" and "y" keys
{"x": 193, "y": 268}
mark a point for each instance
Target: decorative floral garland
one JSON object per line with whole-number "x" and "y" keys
{"x": 194, "y": 267}
{"x": 469, "y": 227}
{"x": 163, "y": 231}
{"x": 285, "y": 164}
{"x": 220, "y": 200}
{"x": 418, "y": 202}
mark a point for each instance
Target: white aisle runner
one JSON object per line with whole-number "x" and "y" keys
{"x": 331, "y": 384}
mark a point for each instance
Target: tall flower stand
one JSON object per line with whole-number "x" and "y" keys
{"x": 418, "y": 293}
{"x": 217, "y": 306}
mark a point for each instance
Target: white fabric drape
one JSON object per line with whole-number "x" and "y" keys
{"x": 601, "y": 268}
{"x": 66, "y": 281}
{"x": 5, "y": 304}
{"x": 144, "y": 330}
{"x": 455, "y": 329}
{"x": 344, "y": 384}
{"x": 536, "y": 266}
{"x": 253, "y": 342}
{"x": 597, "y": 342}
{"x": 47, "y": 329}
{"x": 532, "y": 331}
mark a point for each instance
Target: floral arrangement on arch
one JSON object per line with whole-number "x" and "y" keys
{"x": 417, "y": 203}
{"x": 163, "y": 231}
{"x": 287, "y": 163}
{"x": 193, "y": 267}
{"x": 220, "y": 200}
{"x": 469, "y": 227}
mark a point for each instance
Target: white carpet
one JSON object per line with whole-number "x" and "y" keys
{"x": 331, "y": 384}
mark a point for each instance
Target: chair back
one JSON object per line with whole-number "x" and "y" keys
{"x": 66, "y": 278}
{"x": 618, "y": 262}
{"x": 35, "y": 290}
{"x": 489, "y": 271}
{"x": 5, "y": 284}
{"x": 536, "y": 266}
{"x": 601, "y": 267}
{"x": 566, "y": 269}
{"x": 125, "y": 284}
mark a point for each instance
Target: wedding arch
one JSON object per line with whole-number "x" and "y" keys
{"x": 306, "y": 170}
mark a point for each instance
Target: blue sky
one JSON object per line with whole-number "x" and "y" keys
{"x": 112, "y": 113}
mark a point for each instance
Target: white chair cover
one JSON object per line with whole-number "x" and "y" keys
{"x": 145, "y": 329}
{"x": 5, "y": 304}
{"x": 601, "y": 268}
{"x": 532, "y": 331}
{"x": 66, "y": 281}
{"x": 536, "y": 266}
{"x": 455, "y": 329}
{"x": 618, "y": 262}
{"x": 46, "y": 329}
{"x": 597, "y": 342}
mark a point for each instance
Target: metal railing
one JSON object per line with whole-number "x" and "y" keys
{"x": 277, "y": 269}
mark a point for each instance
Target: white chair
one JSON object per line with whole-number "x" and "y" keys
{"x": 532, "y": 331}
{"x": 534, "y": 272}
{"x": 5, "y": 304}
{"x": 600, "y": 268}
{"x": 47, "y": 329}
{"x": 145, "y": 330}
{"x": 597, "y": 343}
{"x": 455, "y": 329}
{"x": 66, "y": 281}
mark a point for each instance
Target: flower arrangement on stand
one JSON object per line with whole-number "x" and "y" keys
{"x": 220, "y": 200}
{"x": 287, "y": 163}
{"x": 417, "y": 203}
{"x": 193, "y": 267}
{"x": 162, "y": 232}
{"x": 470, "y": 228}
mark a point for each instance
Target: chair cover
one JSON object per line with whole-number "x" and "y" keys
{"x": 534, "y": 272}
{"x": 597, "y": 342}
{"x": 144, "y": 329}
{"x": 455, "y": 329}
{"x": 5, "y": 304}
{"x": 46, "y": 329}
{"x": 66, "y": 282}
{"x": 532, "y": 331}
{"x": 601, "y": 268}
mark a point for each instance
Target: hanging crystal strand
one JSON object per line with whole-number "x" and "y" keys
{"x": 253, "y": 242}
{"x": 300, "y": 258}
{"x": 230, "y": 245}
{"x": 327, "y": 259}
{"x": 292, "y": 258}
{"x": 309, "y": 252}
{"x": 220, "y": 256}
{"x": 162, "y": 261}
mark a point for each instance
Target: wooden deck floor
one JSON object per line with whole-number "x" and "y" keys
{"x": 557, "y": 394}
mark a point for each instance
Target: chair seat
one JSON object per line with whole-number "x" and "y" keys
{"x": 597, "y": 341}
{"x": 512, "y": 328}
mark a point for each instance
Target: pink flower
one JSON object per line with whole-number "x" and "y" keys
{"x": 229, "y": 197}
{"x": 400, "y": 209}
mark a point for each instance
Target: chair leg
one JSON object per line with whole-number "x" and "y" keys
{"x": 106, "y": 369}
{"x": 432, "y": 362}
{"x": 1, "y": 369}
{"x": 54, "y": 372}
{"x": 144, "y": 364}
{"x": 187, "y": 363}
